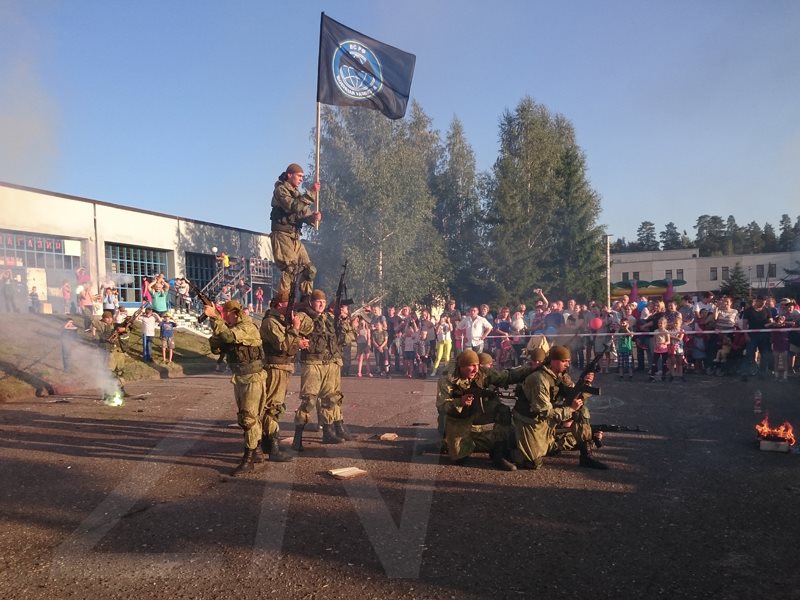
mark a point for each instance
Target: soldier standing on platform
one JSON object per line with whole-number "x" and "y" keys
{"x": 290, "y": 209}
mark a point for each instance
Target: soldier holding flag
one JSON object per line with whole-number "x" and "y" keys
{"x": 290, "y": 209}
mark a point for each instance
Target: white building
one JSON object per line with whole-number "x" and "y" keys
{"x": 45, "y": 237}
{"x": 764, "y": 271}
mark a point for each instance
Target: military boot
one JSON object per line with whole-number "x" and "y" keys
{"x": 274, "y": 451}
{"x": 245, "y": 465}
{"x": 297, "y": 442}
{"x": 329, "y": 435}
{"x": 499, "y": 458}
{"x": 343, "y": 432}
{"x": 587, "y": 460}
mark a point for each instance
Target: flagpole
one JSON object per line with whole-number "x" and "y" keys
{"x": 316, "y": 166}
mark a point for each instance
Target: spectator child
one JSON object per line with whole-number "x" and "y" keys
{"x": 167, "y": 327}
{"x": 380, "y": 344}
{"x": 661, "y": 339}
{"x": 259, "y": 299}
{"x": 625, "y": 350}
{"x": 36, "y": 306}
{"x": 423, "y": 350}
{"x": 676, "y": 349}
{"x": 409, "y": 340}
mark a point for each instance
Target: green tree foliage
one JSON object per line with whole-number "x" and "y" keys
{"x": 770, "y": 239}
{"x": 575, "y": 263}
{"x": 377, "y": 205}
{"x": 788, "y": 237}
{"x": 736, "y": 286}
{"x": 754, "y": 239}
{"x": 646, "y": 236}
{"x": 540, "y": 211}
{"x": 711, "y": 233}
{"x": 458, "y": 217}
{"x": 670, "y": 237}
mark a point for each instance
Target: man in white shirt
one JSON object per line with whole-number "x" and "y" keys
{"x": 148, "y": 320}
{"x": 475, "y": 329}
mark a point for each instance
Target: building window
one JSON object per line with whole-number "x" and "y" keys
{"x": 713, "y": 274}
{"x": 760, "y": 271}
{"x": 725, "y": 273}
{"x": 772, "y": 270}
{"x": 24, "y": 250}
{"x": 136, "y": 263}
{"x": 680, "y": 274}
{"x": 636, "y": 275}
{"x": 200, "y": 268}
{"x": 668, "y": 274}
{"x": 624, "y": 276}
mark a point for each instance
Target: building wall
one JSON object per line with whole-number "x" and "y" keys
{"x": 96, "y": 223}
{"x": 697, "y": 270}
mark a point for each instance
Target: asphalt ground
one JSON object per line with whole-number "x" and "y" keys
{"x": 135, "y": 501}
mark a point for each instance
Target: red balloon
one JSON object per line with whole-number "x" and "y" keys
{"x": 596, "y": 323}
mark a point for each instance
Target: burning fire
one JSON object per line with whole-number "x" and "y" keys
{"x": 782, "y": 433}
{"x": 114, "y": 399}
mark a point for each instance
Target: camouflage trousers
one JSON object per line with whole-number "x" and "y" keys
{"x": 276, "y": 384}
{"x": 538, "y": 437}
{"x": 290, "y": 255}
{"x": 320, "y": 383}
{"x": 116, "y": 364}
{"x": 463, "y": 437}
{"x": 250, "y": 395}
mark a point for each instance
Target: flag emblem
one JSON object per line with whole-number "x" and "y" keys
{"x": 357, "y": 82}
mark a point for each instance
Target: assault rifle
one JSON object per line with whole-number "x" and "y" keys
{"x": 581, "y": 387}
{"x": 340, "y": 300}
{"x": 620, "y": 428}
{"x": 202, "y": 297}
{"x": 126, "y": 325}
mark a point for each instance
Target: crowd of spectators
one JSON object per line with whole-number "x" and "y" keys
{"x": 662, "y": 340}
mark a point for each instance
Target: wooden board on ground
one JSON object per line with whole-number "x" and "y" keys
{"x": 347, "y": 472}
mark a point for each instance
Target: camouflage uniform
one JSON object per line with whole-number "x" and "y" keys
{"x": 241, "y": 344}
{"x": 280, "y": 347}
{"x": 290, "y": 209}
{"x": 485, "y": 425}
{"x": 116, "y": 355}
{"x": 320, "y": 379}
{"x": 540, "y": 413}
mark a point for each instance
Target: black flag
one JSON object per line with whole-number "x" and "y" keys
{"x": 355, "y": 70}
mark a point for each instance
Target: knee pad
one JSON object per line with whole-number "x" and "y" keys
{"x": 246, "y": 420}
{"x": 306, "y": 401}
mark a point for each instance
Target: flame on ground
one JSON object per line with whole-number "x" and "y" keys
{"x": 783, "y": 432}
{"x": 114, "y": 399}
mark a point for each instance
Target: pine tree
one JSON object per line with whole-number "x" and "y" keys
{"x": 787, "y": 241}
{"x": 769, "y": 238}
{"x": 670, "y": 237}
{"x": 377, "y": 205}
{"x": 646, "y": 236}
{"x": 575, "y": 263}
{"x": 754, "y": 241}
{"x": 457, "y": 215}
{"x": 736, "y": 286}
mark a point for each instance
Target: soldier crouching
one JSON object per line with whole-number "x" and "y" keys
{"x": 542, "y": 417}
{"x": 238, "y": 338}
{"x": 475, "y": 420}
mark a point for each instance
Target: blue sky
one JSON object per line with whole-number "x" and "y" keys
{"x": 194, "y": 107}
